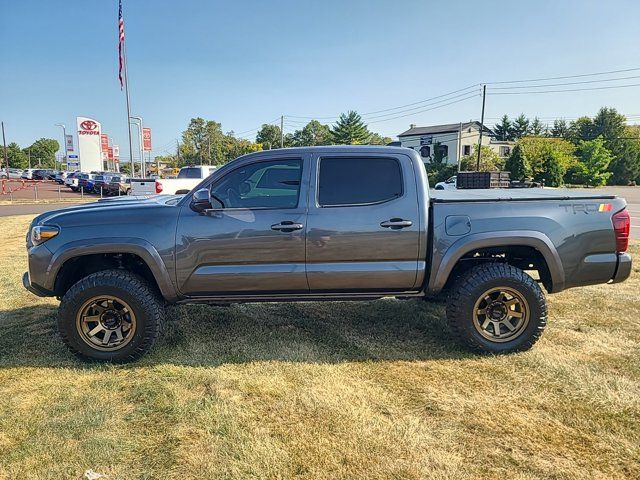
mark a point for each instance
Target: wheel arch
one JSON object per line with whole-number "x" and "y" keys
{"x": 443, "y": 264}
{"x": 74, "y": 253}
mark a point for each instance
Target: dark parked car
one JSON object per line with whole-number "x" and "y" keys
{"x": 323, "y": 223}
{"x": 118, "y": 185}
{"x": 101, "y": 181}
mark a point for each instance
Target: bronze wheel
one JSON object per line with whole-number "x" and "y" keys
{"x": 501, "y": 314}
{"x": 106, "y": 323}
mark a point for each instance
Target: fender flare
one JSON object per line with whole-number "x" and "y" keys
{"x": 137, "y": 246}
{"x": 440, "y": 270}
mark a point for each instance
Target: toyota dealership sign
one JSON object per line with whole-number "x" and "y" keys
{"x": 89, "y": 131}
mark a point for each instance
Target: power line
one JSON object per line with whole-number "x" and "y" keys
{"x": 426, "y": 110}
{"x": 566, "y": 76}
{"x": 566, "y": 90}
{"x": 566, "y": 83}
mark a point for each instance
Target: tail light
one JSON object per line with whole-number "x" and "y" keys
{"x": 159, "y": 187}
{"x": 622, "y": 227}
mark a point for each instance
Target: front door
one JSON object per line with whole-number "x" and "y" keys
{"x": 255, "y": 243}
{"x": 363, "y": 224}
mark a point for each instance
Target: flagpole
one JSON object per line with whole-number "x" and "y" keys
{"x": 126, "y": 88}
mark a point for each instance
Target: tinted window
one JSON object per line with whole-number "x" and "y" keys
{"x": 193, "y": 172}
{"x": 273, "y": 184}
{"x": 357, "y": 181}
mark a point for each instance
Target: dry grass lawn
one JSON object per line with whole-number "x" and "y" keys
{"x": 322, "y": 390}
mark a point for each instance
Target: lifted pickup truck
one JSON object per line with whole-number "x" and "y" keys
{"x": 324, "y": 223}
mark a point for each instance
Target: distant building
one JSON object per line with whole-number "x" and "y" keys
{"x": 453, "y": 140}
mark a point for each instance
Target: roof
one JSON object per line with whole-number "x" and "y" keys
{"x": 446, "y": 128}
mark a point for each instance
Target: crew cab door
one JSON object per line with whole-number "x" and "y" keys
{"x": 363, "y": 224}
{"x": 255, "y": 243}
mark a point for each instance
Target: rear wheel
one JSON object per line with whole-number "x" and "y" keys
{"x": 497, "y": 308}
{"x": 112, "y": 315}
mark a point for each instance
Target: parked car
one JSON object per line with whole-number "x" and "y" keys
{"x": 188, "y": 177}
{"x": 448, "y": 184}
{"x": 143, "y": 186}
{"x": 72, "y": 181}
{"x": 85, "y": 182}
{"x": 27, "y": 174}
{"x": 118, "y": 185}
{"x": 38, "y": 174}
{"x": 328, "y": 223}
{"x": 14, "y": 173}
{"x": 101, "y": 181}
{"x": 60, "y": 177}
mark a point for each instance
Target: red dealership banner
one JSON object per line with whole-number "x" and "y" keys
{"x": 104, "y": 143}
{"x": 110, "y": 153}
{"x": 146, "y": 139}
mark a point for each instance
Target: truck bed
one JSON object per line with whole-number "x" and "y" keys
{"x": 515, "y": 195}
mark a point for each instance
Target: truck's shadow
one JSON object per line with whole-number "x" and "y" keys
{"x": 319, "y": 332}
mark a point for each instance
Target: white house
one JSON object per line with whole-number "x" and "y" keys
{"x": 454, "y": 140}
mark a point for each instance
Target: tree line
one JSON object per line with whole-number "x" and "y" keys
{"x": 41, "y": 153}
{"x": 590, "y": 151}
{"x": 204, "y": 142}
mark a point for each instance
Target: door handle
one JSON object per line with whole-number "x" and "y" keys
{"x": 396, "y": 223}
{"x": 287, "y": 226}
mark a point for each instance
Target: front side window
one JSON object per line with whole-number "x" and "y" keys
{"x": 271, "y": 184}
{"x": 358, "y": 181}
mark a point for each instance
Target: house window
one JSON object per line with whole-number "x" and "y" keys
{"x": 466, "y": 149}
{"x": 425, "y": 151}
{"x": 505, "y": 151}
{"x": 443, "y": 151}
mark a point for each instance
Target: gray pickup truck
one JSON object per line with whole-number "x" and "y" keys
{"x": 324, "y": 223}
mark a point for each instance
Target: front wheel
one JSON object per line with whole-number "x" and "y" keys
{"x": 112, "y": 316}
{"x": 497, "y": 308}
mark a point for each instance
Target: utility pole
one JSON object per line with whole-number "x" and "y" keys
{"x": 178, "y": 150}
{"x": 6, "y": 157}
{"x": 282, "y": 131}
{"x": 29, "y": 157}
{"x": 64, "y": 141}
{"x": 484, "y": 96}
{"x": 459, "y": 146}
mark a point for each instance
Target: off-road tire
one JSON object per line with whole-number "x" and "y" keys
{"x": 471, "y": 287}
{"x": 142, "y": 298}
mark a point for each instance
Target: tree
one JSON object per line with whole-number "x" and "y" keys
{"x": 312, "y": 134}
{"x": 520, "y": 127}
{"x": 518, "y": 164}
{"x": 552, "y": 172}
{"x": 537, "y": 150}
{"x": 269, "y": 136}
{"x": 537, "y": 128}
{"x": 43, "y": 152}
{"x": 504, "y": 129}
{"x": 193, "y": 139}
{"x": 560, "y": 129}
{"x": 594, "y": 159}
{"x": 581, "y": 129}
{"x": 16, "y": 156}
{"x": 350, "y": 130}
{"x": 377, "y": 139}
{"x": 490, "y": 161}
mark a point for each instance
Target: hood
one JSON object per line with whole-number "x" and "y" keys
{"x": 103, "y": 206}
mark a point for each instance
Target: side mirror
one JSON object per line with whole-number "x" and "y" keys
{"x": 201, "y": 200}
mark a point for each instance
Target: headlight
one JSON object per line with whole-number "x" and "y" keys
{"x": 43, "y": 233}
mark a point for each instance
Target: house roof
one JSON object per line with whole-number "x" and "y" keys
{"x": 446, "y": 128}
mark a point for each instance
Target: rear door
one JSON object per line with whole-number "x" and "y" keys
{"x": 363, "y": 224}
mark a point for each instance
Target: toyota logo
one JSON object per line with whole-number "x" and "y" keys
{"x": 89, "y": 125}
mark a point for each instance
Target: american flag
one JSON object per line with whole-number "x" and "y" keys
{"x": 120, "y": 44}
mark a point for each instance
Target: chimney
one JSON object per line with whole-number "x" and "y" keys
{"x": 412, "y": 125}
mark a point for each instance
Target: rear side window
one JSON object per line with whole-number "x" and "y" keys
{"x": 190, "y": 172}
{"x": 358, "y": 181}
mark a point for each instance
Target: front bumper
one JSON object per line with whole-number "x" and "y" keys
{"x": 34, "y": 288}
{"x": 623, "y": 269}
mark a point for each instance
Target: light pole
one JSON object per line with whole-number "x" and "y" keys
{"x": 142, "y": 165}
{"x": 64, "y": 142}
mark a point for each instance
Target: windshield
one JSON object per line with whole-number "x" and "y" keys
{"x": 190, "y": 172}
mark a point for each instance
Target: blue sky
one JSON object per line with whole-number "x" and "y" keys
{"x": 244, "y": 63}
